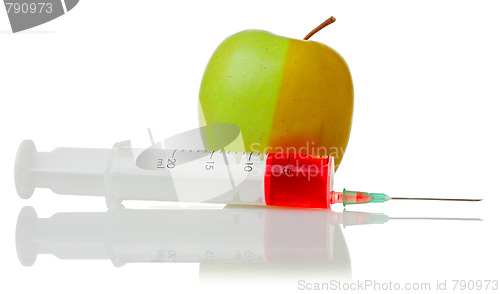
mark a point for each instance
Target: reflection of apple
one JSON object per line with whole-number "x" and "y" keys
{"x": 284, "y": 94}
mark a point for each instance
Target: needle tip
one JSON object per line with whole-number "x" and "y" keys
{"x": 439, "y": 199}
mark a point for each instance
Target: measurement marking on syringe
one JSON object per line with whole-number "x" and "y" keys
{"x": 173, "y": 153}
{"x": 250, "y": 156}
{"x": 212, "y": 154}
{"x": 159, "y": 163}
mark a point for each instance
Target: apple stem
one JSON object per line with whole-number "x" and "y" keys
{"x": 321, "y": 26}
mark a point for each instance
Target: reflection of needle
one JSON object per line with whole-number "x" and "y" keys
{"x": 440, "y": 199}
{"x": 437, "y": 218}
{"x": 350, "y": 218}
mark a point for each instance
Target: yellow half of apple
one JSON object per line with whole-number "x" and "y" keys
{"x": 286, "y": 95}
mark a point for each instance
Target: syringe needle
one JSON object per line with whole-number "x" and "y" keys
{"x": 357, "y": 197}
{"x": 437, "y": 218}
{"x": 439, "y": 199}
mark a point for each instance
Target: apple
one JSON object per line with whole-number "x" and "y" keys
{"x": 286, "y": 95}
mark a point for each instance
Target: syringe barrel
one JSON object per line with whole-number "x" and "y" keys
{"x": 244, "y": 178}
{"x": 186, "y": 176}
{"x": 189, "y": 176}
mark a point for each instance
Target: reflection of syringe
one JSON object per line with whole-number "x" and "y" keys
{"x": 235, "y": 233}
{"x": 238, "y": 234}
{"x": 292, "y": 180}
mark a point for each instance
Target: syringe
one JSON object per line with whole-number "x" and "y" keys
{"x": 248, "y": 178}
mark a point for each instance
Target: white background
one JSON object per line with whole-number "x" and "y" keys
{"x": 426, "y": 82}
